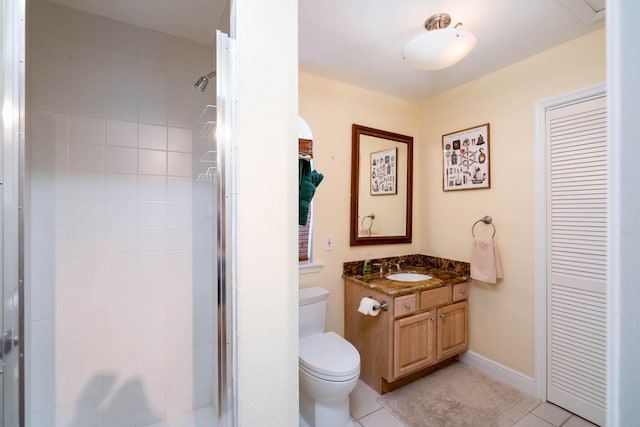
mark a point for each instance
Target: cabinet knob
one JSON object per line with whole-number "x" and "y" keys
{"x": 432, "y": 318}
{"x": 407, "y": 306}
{"x": 462, "y": 291}
{"x": 442, "y": 316}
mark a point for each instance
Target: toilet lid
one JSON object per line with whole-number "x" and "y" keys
{"x": 329, "y": 356}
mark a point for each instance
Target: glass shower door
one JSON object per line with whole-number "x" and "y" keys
{"x": 226, "y": 249}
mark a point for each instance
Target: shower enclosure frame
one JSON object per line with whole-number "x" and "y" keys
{"x": 12, "y": 342}
{"x": 15, "y": 288}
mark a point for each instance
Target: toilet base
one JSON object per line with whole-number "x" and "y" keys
{"x": 332, "y": 412}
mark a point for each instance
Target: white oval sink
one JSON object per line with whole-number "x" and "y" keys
{"x": 408, "y": 277}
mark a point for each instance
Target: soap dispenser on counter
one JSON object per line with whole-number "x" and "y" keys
{"x": 366, "y": 266}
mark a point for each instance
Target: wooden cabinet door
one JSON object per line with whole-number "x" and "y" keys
{"x": 414, "y": 343}
{"x": 453, "y": 331}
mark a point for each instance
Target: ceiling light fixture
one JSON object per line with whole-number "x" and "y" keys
{"x": 440, "y": 47}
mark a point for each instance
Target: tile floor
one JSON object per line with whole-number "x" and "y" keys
{"x": 367, "y": 412}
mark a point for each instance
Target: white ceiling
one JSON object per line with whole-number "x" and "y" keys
{"x": 358, "y": 42}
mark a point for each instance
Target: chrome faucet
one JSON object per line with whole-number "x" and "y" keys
{"x": 400, "y": 261}
{"x": 377, "y": 264}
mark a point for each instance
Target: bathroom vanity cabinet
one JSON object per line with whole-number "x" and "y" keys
{"x": 421, "y": 331}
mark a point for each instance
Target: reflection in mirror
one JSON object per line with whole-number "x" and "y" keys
{"x": 381, "y": 187}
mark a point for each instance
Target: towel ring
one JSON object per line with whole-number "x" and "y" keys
{"x": 371, "y": 217}
{"x": 487, "y": 220}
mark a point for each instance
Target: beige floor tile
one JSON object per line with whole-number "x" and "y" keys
{"x": 531, "y": 420}
{"x": 380, "y": 418}
{"x": 362, "y": 401}
{"x": 575, "y": 421}
{"x": 551, "y": 413}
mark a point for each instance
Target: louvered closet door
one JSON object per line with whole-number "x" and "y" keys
{"x": 577, "y": 258}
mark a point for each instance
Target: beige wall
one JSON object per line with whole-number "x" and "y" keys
{"x": 501, "y": 316}
{"x": 267, "y": 237}
{"x": 331, "y": 108}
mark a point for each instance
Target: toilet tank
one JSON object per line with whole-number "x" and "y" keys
{"x": 312, "y": 311}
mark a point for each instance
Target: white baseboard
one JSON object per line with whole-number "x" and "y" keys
{"x": 499, "y": 372}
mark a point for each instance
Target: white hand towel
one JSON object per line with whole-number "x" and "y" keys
{"x": 485, "y": 261}
{"x": 496, "y": 256}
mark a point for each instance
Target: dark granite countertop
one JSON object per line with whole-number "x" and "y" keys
{"x": 443, "y": 274}
{"x": 391, "y": 287}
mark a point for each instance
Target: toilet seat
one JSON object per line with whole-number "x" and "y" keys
{"x": 330, "y": 357}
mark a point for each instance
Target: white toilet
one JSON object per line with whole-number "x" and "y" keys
{"x": 329, "y": 366}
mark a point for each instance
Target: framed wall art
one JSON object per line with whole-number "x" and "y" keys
{"x": 383, "y": 172}
{"x": 466, "y": 159}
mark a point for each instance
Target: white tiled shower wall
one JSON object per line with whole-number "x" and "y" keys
{"x": 121, "y": 234}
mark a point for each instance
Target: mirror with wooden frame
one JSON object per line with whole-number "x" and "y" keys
{"x": 381, "y": 187}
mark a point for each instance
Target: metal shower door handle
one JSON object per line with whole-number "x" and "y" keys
{"x": 7, "y": 342}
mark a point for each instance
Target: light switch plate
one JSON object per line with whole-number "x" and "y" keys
{"x": 328, "y": 243}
